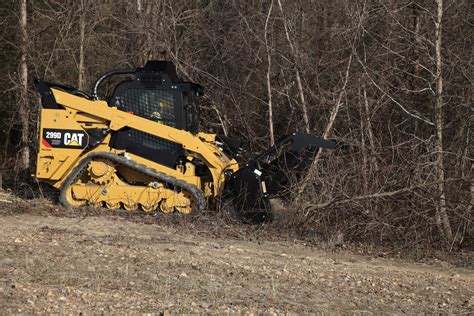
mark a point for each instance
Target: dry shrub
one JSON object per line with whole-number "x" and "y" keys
{"x": 389, "y": 210}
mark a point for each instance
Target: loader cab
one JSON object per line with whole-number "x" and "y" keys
{"x": 155, "y": 93}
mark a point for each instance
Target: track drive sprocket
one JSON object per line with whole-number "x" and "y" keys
{"x": 101, "y": 171}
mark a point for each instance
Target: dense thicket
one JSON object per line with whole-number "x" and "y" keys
{"x": 392, "y": 79}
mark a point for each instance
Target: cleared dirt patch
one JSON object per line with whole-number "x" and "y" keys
{"x": 93, "y": 264}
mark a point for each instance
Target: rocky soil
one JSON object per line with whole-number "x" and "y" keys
{"x": 89, "y": 264}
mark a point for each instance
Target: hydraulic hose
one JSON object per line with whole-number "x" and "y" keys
{"x": 109, "y": 74}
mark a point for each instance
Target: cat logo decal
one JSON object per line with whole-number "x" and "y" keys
{"x": 60, "y": 138}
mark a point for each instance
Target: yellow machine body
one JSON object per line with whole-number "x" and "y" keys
{"x": 104, "y": 183}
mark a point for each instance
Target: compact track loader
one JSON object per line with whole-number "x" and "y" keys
{"x": 140, "y": 148}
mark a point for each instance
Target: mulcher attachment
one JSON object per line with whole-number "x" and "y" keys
{"x": 266, "y": 175}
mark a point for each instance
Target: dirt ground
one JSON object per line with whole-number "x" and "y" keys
{"x": 93, "y": 264}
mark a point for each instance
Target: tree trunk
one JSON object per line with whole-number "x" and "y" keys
{"x": 297, "y": 72}
{"x": 327, "y": 131}
{"x": 365, "y": 159}
{"x": 23, "y": 108}
{"x": 368, "y": 126}
{"x": 82, "y": 28}
{"x": 338, "y": 104}
{"x": 269, "y": 85}
{"x": 442, "y": 218}
{"x": 417, "y": 28}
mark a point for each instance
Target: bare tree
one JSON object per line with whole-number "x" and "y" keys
{"x": 328, "y": 129}
{"x": 268, "y": 76}
{"x": 23, "y": 91}
{"x": 297, "y": 71}
{"x": 441, "y": 215}
{"x": 82, "y": 30}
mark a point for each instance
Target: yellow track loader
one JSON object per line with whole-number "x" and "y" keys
{"x": 140, "y": 148}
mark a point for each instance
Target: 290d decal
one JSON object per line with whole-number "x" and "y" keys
{"x": 64, "y": 138}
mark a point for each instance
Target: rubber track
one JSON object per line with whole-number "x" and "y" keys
{"x": 76, "y": 173}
